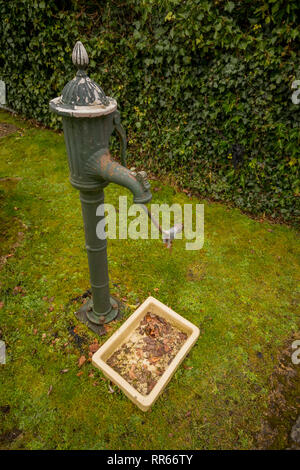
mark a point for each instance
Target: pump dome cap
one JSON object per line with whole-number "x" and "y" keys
{"x": 82, "y": 95}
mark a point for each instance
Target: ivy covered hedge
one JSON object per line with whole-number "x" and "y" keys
{"x": 204, "y": 87}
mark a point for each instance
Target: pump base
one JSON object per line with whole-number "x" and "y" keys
{"x": 114, "y": 314}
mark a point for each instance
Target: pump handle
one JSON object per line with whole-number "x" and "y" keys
{"x": 122, "y": 136}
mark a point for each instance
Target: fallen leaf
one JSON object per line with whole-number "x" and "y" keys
{"x": 107, "y": 328}
{"x": 79, "y": 373}
{"x": 94, "y": 347}
{"x": 187, "y": 367}
{"x": 18, "y": 289}
{"x": 81, "y": 361}
{"x": 64, "y": 371}
{"x": 50, "y": 390}
{"x": 111, "y": 390}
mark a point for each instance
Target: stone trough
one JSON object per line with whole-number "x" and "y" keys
{"x": 144, "y": 353}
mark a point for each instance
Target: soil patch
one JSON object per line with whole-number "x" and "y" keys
{"x": 10, "y": 436}
{"x": 278, "y": 427}
{"x": 6, "y": 129}
{"x": 12, "y": 229}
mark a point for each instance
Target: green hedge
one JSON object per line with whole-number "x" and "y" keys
{"x": 204, "y": 87}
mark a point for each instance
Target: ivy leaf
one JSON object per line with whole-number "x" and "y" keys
{"x": 229, "y": 6}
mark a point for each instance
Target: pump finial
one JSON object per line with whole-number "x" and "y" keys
{"x": 79, "y": 56}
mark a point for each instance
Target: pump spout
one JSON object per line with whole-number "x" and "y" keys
{"x": 168, "y": 235}
{"x": 102, "y": 167}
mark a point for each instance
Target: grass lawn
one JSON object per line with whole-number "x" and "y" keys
{"x": 240, "y": 289}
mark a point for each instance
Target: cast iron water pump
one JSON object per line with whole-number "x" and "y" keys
{"x": 89, "y": 118}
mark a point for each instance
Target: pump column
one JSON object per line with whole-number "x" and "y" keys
{"x": 102, "y": 308}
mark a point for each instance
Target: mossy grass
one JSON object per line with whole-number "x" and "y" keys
{"x": 240, "y": 289}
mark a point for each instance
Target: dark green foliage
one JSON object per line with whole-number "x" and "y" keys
{"x": 193, "y": 80}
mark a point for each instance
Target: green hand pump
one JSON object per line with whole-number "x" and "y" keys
{"x": 89, "y": 118}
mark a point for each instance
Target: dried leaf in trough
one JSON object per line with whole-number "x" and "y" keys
{"x": 154, "y": 359}
{"x": 131, "y": 373}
